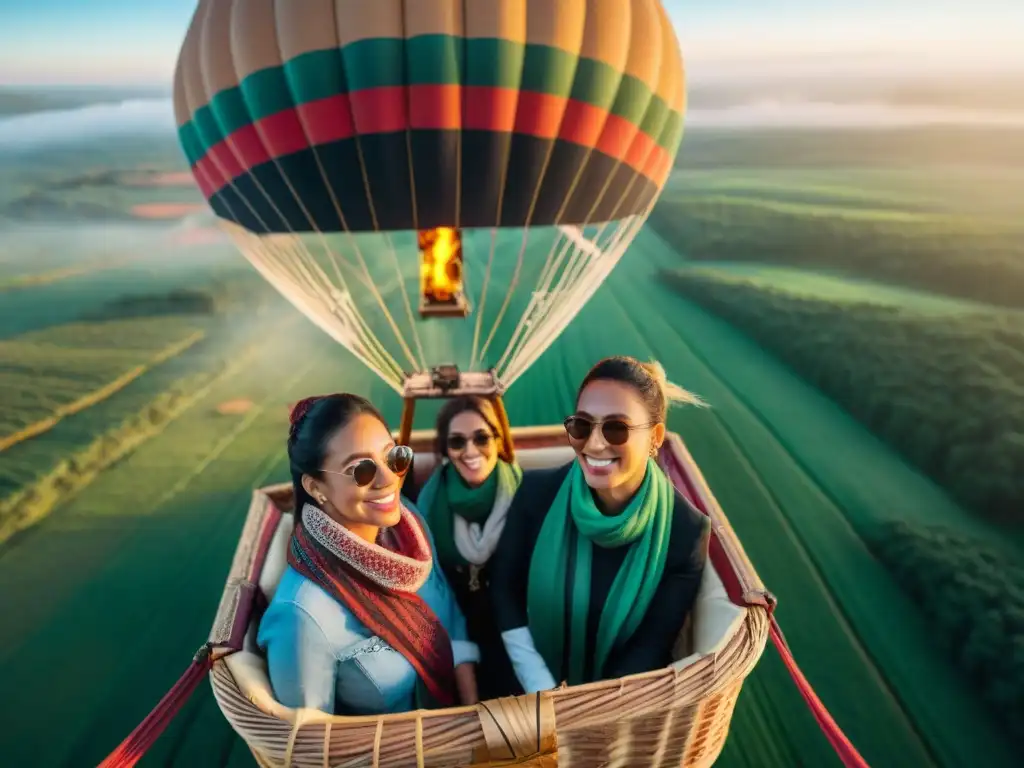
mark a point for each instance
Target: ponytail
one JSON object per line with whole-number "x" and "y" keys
{"x": 671, "y": 392}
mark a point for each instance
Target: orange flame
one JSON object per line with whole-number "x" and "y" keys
{"x": 440, "y": 265}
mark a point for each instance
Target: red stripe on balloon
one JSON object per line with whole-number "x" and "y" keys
{"x": 539, "y": 114}
{"x": 616, "y": 137}
{"x": 379, "y": 110}
{"x": 659, "y": 166}
{"x": 489, "y": 109}
{"x": 429, "y": 107}
{"x": 641, "y": 149}
{"x": 582, "y": 123}
{"x": 248, "y": 146}
{"x": 282, "y": 133}
{"x": 205, "y": 183}
{"x": 435, "y": 107}
{"x": 327, "y": 120}
{"x": 224, "y": 159}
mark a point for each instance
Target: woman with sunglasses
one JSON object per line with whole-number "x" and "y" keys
{"x": 363, "y": 621}
{"x": 465, "y": 502}
{"x": 601, "y": 559}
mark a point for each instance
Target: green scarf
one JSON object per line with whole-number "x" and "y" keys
{"x": 644, "y": 526}
{"x": 446, "y": 494}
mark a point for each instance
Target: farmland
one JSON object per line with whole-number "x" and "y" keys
{"x": 129, "y": 561}
{"x": 961, "y": 235}
{"x": 57, "y": 372}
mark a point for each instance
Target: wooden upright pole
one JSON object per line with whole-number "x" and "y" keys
{"x": 405, "y": 426}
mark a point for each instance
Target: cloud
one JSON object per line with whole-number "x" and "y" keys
{"x": 133, "y": 117}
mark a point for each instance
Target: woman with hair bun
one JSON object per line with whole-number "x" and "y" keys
{"x": 601, "y": 559}
{"x": 465, "y": 503}
{"x": 363, "y": 621}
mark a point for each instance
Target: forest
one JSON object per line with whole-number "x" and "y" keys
{"x": 973, "y": 598}
{"x": 948, "y": 395}
{"x": 973, "y": 259}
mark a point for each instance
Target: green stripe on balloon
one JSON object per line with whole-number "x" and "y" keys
{"x": 434, "y": 60}
{"x": 427, "y": 59}
{"x": 672, "y": 134}
{"x": 494, "y": 63}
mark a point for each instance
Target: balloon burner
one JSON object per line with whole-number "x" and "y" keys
{"x": 441, "y": 289}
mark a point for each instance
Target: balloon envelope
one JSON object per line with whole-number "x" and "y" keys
{"x": 326, "y": 133}
{"x": 370, "y": 115}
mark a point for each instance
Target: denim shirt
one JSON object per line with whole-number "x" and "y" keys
{"x": 322, "y": 657}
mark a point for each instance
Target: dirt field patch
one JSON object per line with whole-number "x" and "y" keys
{"x": 175, "y": 179}
{"x": 166, "y": 210}
{"x": 234, "y": 407}
{"x": 198, "y": 236}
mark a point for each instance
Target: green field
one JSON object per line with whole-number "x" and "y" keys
{"x": 115, "y": 588}
{"x": 953, "y": 229}
{"x": 58, "y": 371}
{"x": 839, "y": 289}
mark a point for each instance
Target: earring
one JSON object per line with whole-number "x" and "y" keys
{"x": 654, "y": 451}
{"x": 321, "y": 499}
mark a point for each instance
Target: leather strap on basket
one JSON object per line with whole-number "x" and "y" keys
{"x": 131, "y": 750}
{"x": 519, "y": 730}
{"x": 843, "y": 747}
{"x": 241, "y": 598}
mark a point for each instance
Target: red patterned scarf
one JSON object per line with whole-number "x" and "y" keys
{"x": 378, "y": 584}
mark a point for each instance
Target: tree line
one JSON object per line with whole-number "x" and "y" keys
{"x": 973, "y": 597}
{"x": 946, "y": 393}
{"x": 969, "y": 259}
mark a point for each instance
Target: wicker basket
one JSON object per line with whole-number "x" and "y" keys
{"x": 670, "y": 717}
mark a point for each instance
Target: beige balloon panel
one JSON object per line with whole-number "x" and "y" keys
{"x": 229, "y": 40}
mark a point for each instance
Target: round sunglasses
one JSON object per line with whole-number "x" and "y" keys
{"x": 614, "y": 431}
{"x": 398, "y": 460}
{"x": 480, "y": 438}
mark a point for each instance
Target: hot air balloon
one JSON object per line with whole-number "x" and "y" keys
{"x": 441, "y": 185}
{"x": 385, "y": 162}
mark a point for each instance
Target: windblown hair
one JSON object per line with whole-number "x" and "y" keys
{"x": 649, "y": 381}
{"x": 314, "y": 422}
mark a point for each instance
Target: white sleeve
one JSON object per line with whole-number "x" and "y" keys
{"x": 465, "y": 652}
{"x": 529, "y": 665}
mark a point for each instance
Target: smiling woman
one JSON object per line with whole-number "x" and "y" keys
{"x": 362, "y": 622}
{"x": 601, "y": 560}
{"x": 466, "y": 503}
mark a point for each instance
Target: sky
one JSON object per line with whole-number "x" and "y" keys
{"x": 121, "y": 42}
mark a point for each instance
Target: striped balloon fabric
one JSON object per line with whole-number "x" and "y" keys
{"x": 377, "y": 115}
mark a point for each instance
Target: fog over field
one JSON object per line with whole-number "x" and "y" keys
{"x": 780, "y": 103}
{"x": 61, "y": 126}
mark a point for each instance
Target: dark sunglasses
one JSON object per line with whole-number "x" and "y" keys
{"x": 481, "y": 439}
{"x": 398, "y": 460}
{"x": 614, "y": 431}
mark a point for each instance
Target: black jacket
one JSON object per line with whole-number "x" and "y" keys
{"x": 650, "y": 647}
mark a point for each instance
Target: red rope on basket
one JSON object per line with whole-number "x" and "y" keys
{"x": 131, "y": 750}
{"x": 843, "y": 747}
